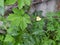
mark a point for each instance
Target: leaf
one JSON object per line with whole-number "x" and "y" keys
{"x": 23, "y": 24}
{"x": 10, "y": 2}
{"x": 27, "y": 2}
{"x": 9, "y": 40}
{"x": 18, "y": 12}
{"x": 1, "y": 37}
{"x": 25, "y": 20}
{"x": 2, "y": 3}
{"x": 1, "y": 7}
{"x": 19, "y": 19}
{"x": 14, "y": 21}
{"x": 15, "y": 10}
{"x": 27, "y": 17}
{"x": 50, "y": 28}
{"x": 20, "y": 3}
{"x": 13, "y": 31}
{"x": 49, "y": 42}
{"x": 38, "y": 32}
{"x": 28, "y": 39}
{"x": 12, "y": 17}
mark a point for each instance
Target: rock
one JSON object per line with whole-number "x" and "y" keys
{"x": 45, "y": 6}
{"x": 1, "y": 23}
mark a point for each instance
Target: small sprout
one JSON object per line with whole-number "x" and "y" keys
{"x": 38, "y": 18}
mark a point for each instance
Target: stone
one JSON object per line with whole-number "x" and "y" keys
{"x": 1, "y": 23}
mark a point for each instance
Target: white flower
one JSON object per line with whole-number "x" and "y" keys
{"x": 38, "y": 18}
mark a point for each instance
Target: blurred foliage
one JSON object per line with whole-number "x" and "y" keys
{"x": 42, "y": 32}
{"x": 1, "y": 7}
{"x": 35, "y": 29}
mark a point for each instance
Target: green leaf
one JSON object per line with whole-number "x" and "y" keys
{"x": 20, "y": 3}
{"x": 1, "y": 37}
{"x": 9, "y": 40}
{"x": 28, "y": 39}
{"x": 10, "y": 2}
{"x": 13, "y": 31}
{"x": 27, "y": 2}
{"x": 18, "y": 12}
{"x": 19, "y": 18}
{"x": 49, "y": 42}
{"x": 27, "y": 18}
{"x": 1, "y": 7}
{"x": 24, "y": 21}
{"x": 38, "y": 32}
{"x": 50, "y": 28}
{"x": 10, "y": 17}
{"x": 23, "y": 24}
{"x": 2, "y": 3}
